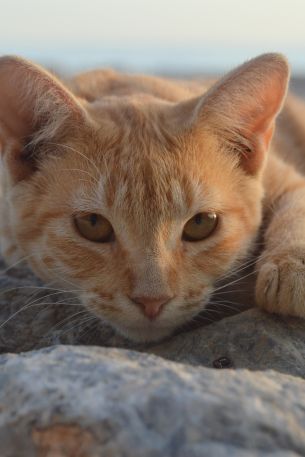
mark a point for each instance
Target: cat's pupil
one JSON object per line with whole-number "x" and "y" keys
{"x": 198, "y": 219}
{"x": 93, "y": 219}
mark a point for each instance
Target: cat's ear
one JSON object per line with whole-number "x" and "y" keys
{"x": 34, "y": 106}
{"x": 241, "y": 108}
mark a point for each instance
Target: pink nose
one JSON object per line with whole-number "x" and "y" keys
{"x": 151, "y": 306}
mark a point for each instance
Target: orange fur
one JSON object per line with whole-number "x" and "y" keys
{"x": 148, "y": 154}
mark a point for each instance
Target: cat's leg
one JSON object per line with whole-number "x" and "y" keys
{"x": 280, "y": 286}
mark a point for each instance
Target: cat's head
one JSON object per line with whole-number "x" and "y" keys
{"x": 139, "y": 204}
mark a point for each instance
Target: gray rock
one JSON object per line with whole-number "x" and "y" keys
{"x": 89, "y": 401}
{"x": 252, "y": 339}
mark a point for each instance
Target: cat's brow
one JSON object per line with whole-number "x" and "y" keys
{"x": 92, "y": 199}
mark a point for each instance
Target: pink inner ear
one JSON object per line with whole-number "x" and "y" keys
{"x": 252, "y": 160}
{"x": 261, "y": 127}
{"x": 267, "y": 136}
{"x": 243, "y": 106}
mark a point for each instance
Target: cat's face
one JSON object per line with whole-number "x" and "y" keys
{"x": 147, "y": 187}
{"x": 140, "y": 219}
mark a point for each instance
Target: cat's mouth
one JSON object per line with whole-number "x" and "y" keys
{"x": 130, "y": 323}
{"x": 150, "y": 331}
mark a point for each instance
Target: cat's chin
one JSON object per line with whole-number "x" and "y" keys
{"x": 145, "y": 334}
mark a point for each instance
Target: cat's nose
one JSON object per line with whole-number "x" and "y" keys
{"x": 151, "y": 306}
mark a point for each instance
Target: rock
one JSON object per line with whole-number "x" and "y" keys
{"x": 89, "y": 401}
{"x": 79, "y": 400}
{"x": 252, "y": 339}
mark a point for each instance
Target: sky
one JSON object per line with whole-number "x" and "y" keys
{"x": 152, "y": 34}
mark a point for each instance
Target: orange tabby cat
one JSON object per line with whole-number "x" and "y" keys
{"x": 142, "y": 192}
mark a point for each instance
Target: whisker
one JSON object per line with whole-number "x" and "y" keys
{"x": 10, "y": 267}
{"x": 223, "y": 306}
{"x": 30, "y": 305}
{"x": 11, "y": 289}
{"x": 92, "y": 329}
{"x": 240, "y": 268}
{"x": 230, "y": 291}
{"x": 199, "y": 318}
{"x": 84, "y": 321}
{"x": 66, "y": 319}
{"x": 78, "y": 152}
{"x": 82, "y": 171}
{"x": 235, "y": 281}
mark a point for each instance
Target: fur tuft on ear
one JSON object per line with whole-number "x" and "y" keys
{"x": 34, "y": 106}
{"x": 241, "y": 108}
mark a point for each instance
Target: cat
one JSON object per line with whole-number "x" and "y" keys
{"x": 140, "y": 193}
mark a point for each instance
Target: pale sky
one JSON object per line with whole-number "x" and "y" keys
{"x": 226, "y": 29}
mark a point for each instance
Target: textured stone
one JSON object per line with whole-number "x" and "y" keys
{"x": 252, "y": 339}
{"x": 88, "y": 401}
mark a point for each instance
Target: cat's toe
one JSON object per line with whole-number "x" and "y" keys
{"x": 280, "y": 285}
{"x": 267, "y": 286}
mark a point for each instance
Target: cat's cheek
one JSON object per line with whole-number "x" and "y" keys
{"x": 46, "y": 271}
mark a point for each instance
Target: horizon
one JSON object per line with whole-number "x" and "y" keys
{"x": 170, "y": 36}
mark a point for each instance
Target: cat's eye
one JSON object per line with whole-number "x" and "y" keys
{"x": 200, "y": 226}
{"x": 94, "y": 227}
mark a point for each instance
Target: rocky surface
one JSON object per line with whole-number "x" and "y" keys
{"x": 76, "y": 399}
{"x": 89, "y": 401}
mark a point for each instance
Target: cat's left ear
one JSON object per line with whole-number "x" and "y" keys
{"x": 241, "y": 108}
{"x": 34, "y": 107}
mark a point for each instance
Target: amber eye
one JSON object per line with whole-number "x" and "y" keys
{"x": 200, "y": 226}
{"x": 95, "y": 228}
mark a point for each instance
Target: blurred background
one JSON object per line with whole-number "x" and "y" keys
{"x": 176, "y": 37}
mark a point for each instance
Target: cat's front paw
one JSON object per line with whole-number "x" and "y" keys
{"x": 280, "y": 285}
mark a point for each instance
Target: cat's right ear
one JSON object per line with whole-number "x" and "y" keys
{"x": 34, "y": 106}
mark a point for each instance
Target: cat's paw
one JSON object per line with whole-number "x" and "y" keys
{"x": 280, "y": 285}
